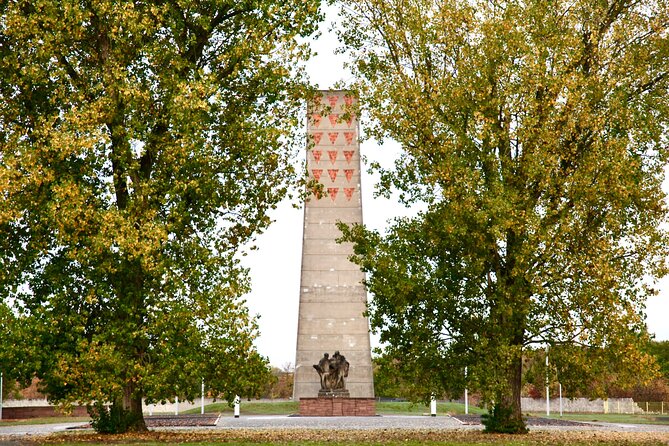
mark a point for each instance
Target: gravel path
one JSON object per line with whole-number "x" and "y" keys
{"x": 181, "y": 420}
{"x": 35, "y": 429}
{"x": 531, "y": 421}
{"x": 348, "y": 423}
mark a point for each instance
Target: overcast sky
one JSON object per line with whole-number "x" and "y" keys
{"x": 275, "y": 266}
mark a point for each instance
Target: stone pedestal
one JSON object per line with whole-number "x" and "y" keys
{"x": 334, "y": 394}
{"x": 332, "y": 297}
{"x": 337, "y": 407}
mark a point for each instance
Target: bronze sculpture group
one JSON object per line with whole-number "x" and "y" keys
{"x": 332, "y": 372}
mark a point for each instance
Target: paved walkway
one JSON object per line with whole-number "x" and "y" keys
{"x": 349, "y": 423}
{"x": 35, "y": 429}
{"x": 403, "y": 422}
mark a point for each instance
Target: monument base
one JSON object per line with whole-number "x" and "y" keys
{"x": 334, "y": 394}
{"x": 332, "y": 406}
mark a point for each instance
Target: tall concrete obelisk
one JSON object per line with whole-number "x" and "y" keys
{"x": 332, "y": 297}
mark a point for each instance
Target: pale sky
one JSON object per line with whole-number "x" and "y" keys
{"x": 275, "y": 266}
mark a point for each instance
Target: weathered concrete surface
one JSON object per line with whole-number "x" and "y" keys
{"x": 584, "y": 405}
{"x": 332, "y": 298}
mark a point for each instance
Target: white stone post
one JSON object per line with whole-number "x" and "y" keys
{"x": 237, "y": 401}
{"x": 466, "y": 396}
{"x": 433, "y": 406}
{"x": 202, "y": 401}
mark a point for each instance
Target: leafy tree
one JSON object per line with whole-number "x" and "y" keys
{"x": 280, "y": 384}
{"x": 660, "y": 350}
{"x": 141, "y": 145}
{"x": 392, "y": 379}
{"x": 534, "y": 137}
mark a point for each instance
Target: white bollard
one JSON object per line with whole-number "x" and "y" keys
{"x": 466, "y": 402}
{"x": 548, "y": 403}
{"x": 237, "y": 401}
{"x": 560, "y": 399}
{"x": 202, "y": 402}
{"x": 433, "y": 406}
{"x": 466, "y": 395}
{"x": 176, "y": 410}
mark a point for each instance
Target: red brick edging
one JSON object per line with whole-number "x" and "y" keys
{"x": 20, "y": 413}
{"x": 337, "y": 407}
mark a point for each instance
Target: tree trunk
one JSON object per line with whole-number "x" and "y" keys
{"x": 512, "y": 399}
{"x": 132, "y": 402}
{"x": 506, "y": 415}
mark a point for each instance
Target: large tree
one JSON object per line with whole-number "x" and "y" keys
{"x": 660, "y": 350}
{"x": 534, "y": 137}
{"x": 142, "y": 144}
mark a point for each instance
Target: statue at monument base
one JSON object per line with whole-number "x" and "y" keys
{"x": 332, "y": 372}
{"x": 334, "y": 399}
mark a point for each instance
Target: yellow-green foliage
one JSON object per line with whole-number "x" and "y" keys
{"x": 141, "y": 147}
{"x": 534, "y": 138}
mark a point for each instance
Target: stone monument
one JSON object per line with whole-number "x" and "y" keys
{"x": 332, "y": 297}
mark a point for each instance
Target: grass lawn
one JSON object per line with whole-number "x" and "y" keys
{"x": 281, "y": 407}
{"x": 400, "y": 408}
{"x": 278, "y": 407}
{"x": 611, "y": 418}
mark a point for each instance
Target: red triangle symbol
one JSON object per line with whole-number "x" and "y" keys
{"x": 333, "y": 174}
{"x": 348, "y": 154}
{"x": 317, "y": 155}
{"x": 349, "y": 174}
{"x": 349, "y": 137}
{"x": 333, "y": 136}
{"x": 348, "y": 100}
{"x": 317, "y": 119}
{"x": 334, "y": 117}
{"x": 349, "y": 121}
{"x": 348, "y": 191}
{"x": 317, "y": 137}
{"x": 317, "y": 173}
{"x": 333, "y": 101}
{"x": 333, "y": 155}
{"x": 333, "y": 192}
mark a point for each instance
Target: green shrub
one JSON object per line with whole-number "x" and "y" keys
{"x": 499, "y": 420}
{"x": 112, "y": 419}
